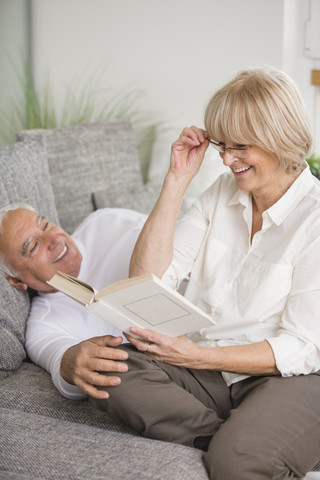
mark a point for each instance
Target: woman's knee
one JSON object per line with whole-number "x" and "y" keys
{"x": 233, "y": 463}
{"x": 222, "y": 462}
{"x": 241, "y": 460}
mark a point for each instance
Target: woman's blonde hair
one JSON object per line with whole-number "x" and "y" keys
{"x": 262, "y": 107}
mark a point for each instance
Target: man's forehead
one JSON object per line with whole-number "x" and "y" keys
{"x": 21, "y": 217}
{"x": 19, "y": 224}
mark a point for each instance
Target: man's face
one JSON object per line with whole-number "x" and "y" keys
{"x": 36, "y": 249}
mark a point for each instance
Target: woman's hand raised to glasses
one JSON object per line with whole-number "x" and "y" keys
{"x": 188, "y": 151}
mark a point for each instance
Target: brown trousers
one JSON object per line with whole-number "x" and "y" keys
{"x": 264, "y": 427}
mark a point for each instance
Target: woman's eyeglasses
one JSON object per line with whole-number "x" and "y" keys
{"x": 241, "y": 151}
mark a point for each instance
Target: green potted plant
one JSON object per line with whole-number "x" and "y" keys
{"x": 87, "y": 100}
{"x": 314, "y": 163}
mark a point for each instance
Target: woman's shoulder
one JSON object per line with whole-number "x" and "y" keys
{"x": 223, "y": 187}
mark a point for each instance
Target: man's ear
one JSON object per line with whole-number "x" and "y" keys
{"x": 16, "y": 283}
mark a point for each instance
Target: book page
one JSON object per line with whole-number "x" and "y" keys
{"x": 152, "y": 304}
{"x": 122, "y": 284}
{"x": 74, "y": 288}
{"x": 157, "y": 309}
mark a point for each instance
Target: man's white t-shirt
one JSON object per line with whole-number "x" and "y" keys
{"x": 106, "y": 240}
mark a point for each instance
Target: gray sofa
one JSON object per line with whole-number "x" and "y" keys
{"x": 66, "y": 173}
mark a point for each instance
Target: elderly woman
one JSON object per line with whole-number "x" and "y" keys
{"x": 247, "y": 390}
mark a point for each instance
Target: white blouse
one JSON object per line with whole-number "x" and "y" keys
{"x": 267, "y": 290}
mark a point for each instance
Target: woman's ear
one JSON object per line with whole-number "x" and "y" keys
{"x": 18, "y": 284}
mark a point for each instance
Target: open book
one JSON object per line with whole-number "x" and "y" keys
{"x": 144, "y": 301}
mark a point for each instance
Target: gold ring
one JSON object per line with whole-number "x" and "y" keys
{"x": 148, "y": 347}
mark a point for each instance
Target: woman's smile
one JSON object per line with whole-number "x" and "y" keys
{"x": 241, "y": 170}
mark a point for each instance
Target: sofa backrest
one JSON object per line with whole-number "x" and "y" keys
{"x": 86, "y": 158}
{"x": 24, "y": 177}
{"x": 65, "y": 173}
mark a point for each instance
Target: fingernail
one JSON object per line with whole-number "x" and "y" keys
{"x": 115, "y": 381}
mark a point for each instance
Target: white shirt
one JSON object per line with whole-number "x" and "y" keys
{"x": 267, "y": 290}
{"x": 106, "y": 240}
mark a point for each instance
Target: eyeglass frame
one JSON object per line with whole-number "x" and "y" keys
{"x": 222, "y": 149}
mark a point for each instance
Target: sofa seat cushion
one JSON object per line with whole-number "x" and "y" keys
{"x": 24, "y": 178}
{"x": 85, "y": 158}
{"x": 35, "y": 447}
{"x": 28, "y": 397}
{"x": 30, "y": 390}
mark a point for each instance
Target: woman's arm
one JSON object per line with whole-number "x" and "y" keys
{"x": 293, "y": 350}
{"x": 252, "y": 359}
{"x": 154, "y": 248}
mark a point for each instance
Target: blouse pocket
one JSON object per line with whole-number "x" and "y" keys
{"x": 210, "y": 255}
{"x": 264, "y": 289}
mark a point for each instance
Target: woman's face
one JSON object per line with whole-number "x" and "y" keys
{"x": 259, "y": 172}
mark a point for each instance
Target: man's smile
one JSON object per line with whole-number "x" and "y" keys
{"x": 61, "y": 254}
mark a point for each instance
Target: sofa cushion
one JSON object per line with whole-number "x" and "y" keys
{"x": 36, "y": 447}
{"x": 44, "y": 435}
{"x": 85, "y": 158}
{"x": 141, "y": 199}
{"x": 30, "y": 390}
{"x": 24, "y": 178}
{"x": 29, "y": 404}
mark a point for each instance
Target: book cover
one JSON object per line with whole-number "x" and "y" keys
{"x": 143, "y": 301}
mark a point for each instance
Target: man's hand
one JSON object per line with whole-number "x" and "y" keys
{"x": 81, "y": 364}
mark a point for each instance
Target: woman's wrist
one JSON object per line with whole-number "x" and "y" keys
{"x": 200, "y": 358}
{"x": 176, "y": 185}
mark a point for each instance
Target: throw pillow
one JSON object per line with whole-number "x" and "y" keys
{"x": 24, "y": 178}
{"x": 141, "y": 199}
{"x": 85, "y": 158}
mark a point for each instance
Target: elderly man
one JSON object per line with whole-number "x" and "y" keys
{"x": 62, "y": 336}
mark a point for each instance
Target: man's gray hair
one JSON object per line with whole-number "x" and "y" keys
{"x": 6, "y": 269}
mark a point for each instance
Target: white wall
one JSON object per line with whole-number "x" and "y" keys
{"x": 296, "y": 63}
{"x": 13, "y": 47}
{"x": 178, "y": 51}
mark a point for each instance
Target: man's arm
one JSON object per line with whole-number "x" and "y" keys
{"x": 154, "y": 248}
{"x": 81, "y": 364}
{"x": 72, "y": 362}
